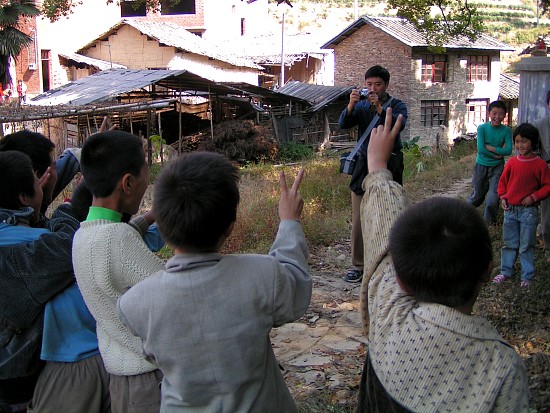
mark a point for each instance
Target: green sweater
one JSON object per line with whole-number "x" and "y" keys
{"x": 498, "y": 136}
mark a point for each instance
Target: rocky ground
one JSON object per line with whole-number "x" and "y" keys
{"x": 324, "y": 350}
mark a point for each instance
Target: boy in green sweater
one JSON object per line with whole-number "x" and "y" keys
{"x": 494, "y": 142}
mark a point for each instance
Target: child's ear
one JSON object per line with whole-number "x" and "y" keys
{"x": 126, "y": 183}
{"x": 229, "y": 230}
{"x": 24, "y": 199}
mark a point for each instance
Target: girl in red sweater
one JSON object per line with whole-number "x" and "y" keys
{"x": 523, "y": 184}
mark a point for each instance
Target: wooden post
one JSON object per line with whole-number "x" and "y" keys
{"x": 148, "y": 136}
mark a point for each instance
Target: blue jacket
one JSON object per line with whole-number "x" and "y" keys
{"x": 31, "y": 273}
{"x": 362, "y": 115}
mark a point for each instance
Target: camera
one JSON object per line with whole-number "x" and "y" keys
{"x": 364, "y": 93}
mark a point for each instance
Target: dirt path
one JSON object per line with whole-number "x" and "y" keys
{"x": 325, "y": 349}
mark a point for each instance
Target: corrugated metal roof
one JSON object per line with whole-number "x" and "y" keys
{"x": 317, "y": 95}
{"x": 100, "y": 64}
{"x": 172, "y": 34}
{"x": 109, "y": 84}
{"x": 509, "y": 86}
{"x": 101, "y": 86}
{"x": 403, "y": 31}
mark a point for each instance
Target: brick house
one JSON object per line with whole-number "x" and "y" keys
{"x": 447, "y": 94}
{"x": 26, "y": 66}
{"x": 153, "y": 44}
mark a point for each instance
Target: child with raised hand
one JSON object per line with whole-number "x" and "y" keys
{"x": 35, "y": 263}
{"x": 424, "y": 268}
{"x": 523, "y": 184}
{"x": 205, "y": 319}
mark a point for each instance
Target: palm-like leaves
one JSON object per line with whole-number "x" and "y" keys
{"x": 13, "y": 40}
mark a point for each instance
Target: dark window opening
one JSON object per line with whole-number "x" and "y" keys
{"x": 168, "y": 7}
{"x": 434, "y": 112}
{"x": 131, "y": 8}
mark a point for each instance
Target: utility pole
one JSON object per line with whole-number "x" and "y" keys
{"x": 282, "y": 77}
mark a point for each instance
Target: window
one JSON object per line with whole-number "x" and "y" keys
{"x": 183, "y": 7}
{"x": 434, "y": 112}
{"x": 477, "y": 111}
{"x": 434, "y": 67}
{"x": 478, "y": 68}
{"x": 131, "y": 8}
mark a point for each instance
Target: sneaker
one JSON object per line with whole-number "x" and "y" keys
{"x": 499, "y": 279}
{"x": 353, "y": 276}
{"x": 525, "y": 283}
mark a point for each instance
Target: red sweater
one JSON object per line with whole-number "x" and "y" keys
{"x": 523, "y": 177}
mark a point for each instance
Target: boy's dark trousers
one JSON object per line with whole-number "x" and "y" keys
{"x": 373, "y": 398}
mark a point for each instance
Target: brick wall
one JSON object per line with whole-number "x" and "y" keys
{"x": 189, "y": 21}
{"x": 27, "y": 56}
{"x": 370, "y": 46}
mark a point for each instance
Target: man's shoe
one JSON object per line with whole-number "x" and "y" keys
{"x": 353, "y": 276}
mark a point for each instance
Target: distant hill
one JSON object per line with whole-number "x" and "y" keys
{"x": 511, "y": 21}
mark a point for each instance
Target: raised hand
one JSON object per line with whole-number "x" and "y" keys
{"x": 290, "y": 202}
{"x": 381, "y": 142}
{"x": 43, "y": 180}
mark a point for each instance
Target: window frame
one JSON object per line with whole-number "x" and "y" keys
{"x": 434, "y": 68}
{"x": 436, "y": 109}
{"x": 478, "y": 68}
{"x": 480, "y": 107}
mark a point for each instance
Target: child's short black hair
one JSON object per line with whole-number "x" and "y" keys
{"x": 378, "y": 71}
{"x": 441, "y": 250}
{"x": 497, "y": 104}
{"x": 107, "y": 156}
{"x": 196, "y": 199}
{"x": 35, "y": 145}
{"x": 528, "y": 131}
{"x": 16, "y": 177}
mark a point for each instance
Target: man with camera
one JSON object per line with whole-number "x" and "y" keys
{"x": 367, "y": 110}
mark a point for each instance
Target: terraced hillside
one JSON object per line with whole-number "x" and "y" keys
{"x": 511, "y": 21}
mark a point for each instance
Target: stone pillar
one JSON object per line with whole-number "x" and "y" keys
{"x": 534, "y": 74}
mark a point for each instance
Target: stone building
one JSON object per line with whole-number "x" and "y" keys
{"x": 447, "y": 93}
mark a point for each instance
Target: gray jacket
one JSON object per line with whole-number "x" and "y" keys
{"x": 205, "y": 322}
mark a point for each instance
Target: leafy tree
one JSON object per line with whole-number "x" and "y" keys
{"x": 13, "y": 40}
{"x": 545, "y": 6}
{"x": 441, "y": 20}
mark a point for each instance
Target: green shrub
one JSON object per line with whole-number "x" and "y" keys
{"x": 295, "y": 151}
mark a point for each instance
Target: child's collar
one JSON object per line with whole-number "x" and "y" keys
{"x": 14, "y": 217}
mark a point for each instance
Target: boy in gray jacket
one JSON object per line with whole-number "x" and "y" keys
{"x": 205, "y": 319}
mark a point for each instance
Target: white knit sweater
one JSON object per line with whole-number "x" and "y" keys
{"x": 108, "y": 259}
{"x": 429, "y": 358}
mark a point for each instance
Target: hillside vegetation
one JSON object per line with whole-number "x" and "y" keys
{"x": 510, "y": 21}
